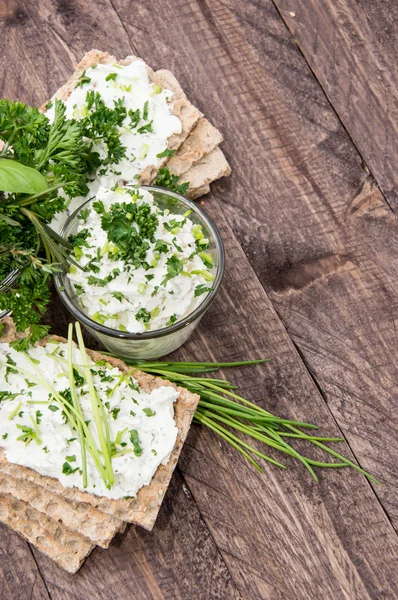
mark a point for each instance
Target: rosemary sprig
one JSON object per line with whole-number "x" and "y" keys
{"x": 227, "y": 414}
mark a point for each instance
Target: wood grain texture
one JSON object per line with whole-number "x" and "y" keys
{"x": 315, "y": 230}
{"x": 19, "y": 576}
{"x": 352, "y": 48}
{"x": 178, "y": 561}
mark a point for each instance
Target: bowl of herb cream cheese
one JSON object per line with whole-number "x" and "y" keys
{"x": 148, "y": 264}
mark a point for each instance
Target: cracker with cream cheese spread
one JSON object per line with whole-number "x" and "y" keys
{"x": 141, "y": 510}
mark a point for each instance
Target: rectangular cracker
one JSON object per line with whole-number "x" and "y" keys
{"x": 180, "y": 105}
{"x": 66, "y": 548}
{"x": 211, "y": 167}
{"x": 202, "y": 140}
{"x": 79, "y": 517}
{"x": 143, "y": 509}
{"x": 194, "y": 193}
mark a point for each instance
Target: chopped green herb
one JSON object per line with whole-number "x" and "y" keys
{"x": 174, "y": 268}
{"x": 166, "y": 153}
{"x": 146, "y": 128}
{"x": 149, "y": 412}
{"x": 172, "y": 320}
{"x": 8, "y": 396}
{"x": 201, "y": 289}
{"x": 166, "y": 180}
{"x": 83, "y": 214}
{"x": 145, "y": 111}
{"x": 28, "y": 434}
{"x": 83, "y": 80}
{"x": 143, "y": 315}
{"x": 115, "y": 411}
{"x": 68, "y": 470}
{"x": 134, "y": 438}
{"x": 79, "y": 289}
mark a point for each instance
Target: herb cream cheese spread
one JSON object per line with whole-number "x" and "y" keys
{"x": 35, "y": 430}
{"x": 128, "y": 119}
{"x": 142, "y": 268}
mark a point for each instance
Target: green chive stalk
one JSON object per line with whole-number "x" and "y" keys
{"x": 236, "y": 419}
{"x": 76, "y": 404}
{"x": 100, "y": 422}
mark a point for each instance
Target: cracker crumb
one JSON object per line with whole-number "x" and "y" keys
{"x": 202, "y": 203}
{"x": 292, "y": 14}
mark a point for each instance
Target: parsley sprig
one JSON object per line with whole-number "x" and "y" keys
{"x": 37, "y": 160}
{"x": 166, "y": 180}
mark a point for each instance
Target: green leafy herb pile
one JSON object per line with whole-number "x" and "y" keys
{"x": 37, "y": 160}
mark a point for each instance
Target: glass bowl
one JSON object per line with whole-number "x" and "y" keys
{"x": 149, "y": 344}
{"x": 6, "y": 284}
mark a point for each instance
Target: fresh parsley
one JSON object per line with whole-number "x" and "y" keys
{"x": 166, "y": 180}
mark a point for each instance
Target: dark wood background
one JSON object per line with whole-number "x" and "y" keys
{"x": 305, "y": 93}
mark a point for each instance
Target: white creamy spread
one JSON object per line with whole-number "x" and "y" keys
{"x": 133, "y": 282}
{"x": 144, "y": 132}
{"x": 35, "y": 433}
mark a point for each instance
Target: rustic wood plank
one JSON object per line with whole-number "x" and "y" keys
{"x": 326, "y": 537}
{"x": 352, "y": 47}
{"x": 19, "y": 575}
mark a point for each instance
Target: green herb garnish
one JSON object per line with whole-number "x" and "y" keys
{"x": 134, "y": 439}
{"x": 166, "y": 180}
{"x": 166, "y": 153}
{"x": 68, "y": 470}
{"x": 36, "y": 161}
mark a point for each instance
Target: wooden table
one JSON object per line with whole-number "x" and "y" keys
{"x": 306, "y": 94}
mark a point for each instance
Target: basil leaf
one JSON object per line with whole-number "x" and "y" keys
{"x": 17, "y": 178}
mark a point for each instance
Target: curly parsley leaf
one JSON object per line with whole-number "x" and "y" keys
{"x": 166, "y": 180}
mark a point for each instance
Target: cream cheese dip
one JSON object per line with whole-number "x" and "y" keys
{"x": 142, "y": 268}
{"x": 35, "y": 431}
{"x": 142, "y": 118}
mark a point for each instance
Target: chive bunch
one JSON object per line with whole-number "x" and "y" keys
{"x": 240, "y": 422}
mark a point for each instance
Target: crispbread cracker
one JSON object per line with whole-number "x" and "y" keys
{"x": 143, "y": 509}
{"x": 180, "y": 105}
{"x": 208, "y": 169}
{"x": 79, "y": 517}
{"x": 203, "y": 139}
{"x": 66, "y": 548}
{"x": 195, "y": 193}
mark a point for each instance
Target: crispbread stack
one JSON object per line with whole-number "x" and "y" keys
{"x": 198, "y": 158}
{"x": 65, "y": 523}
